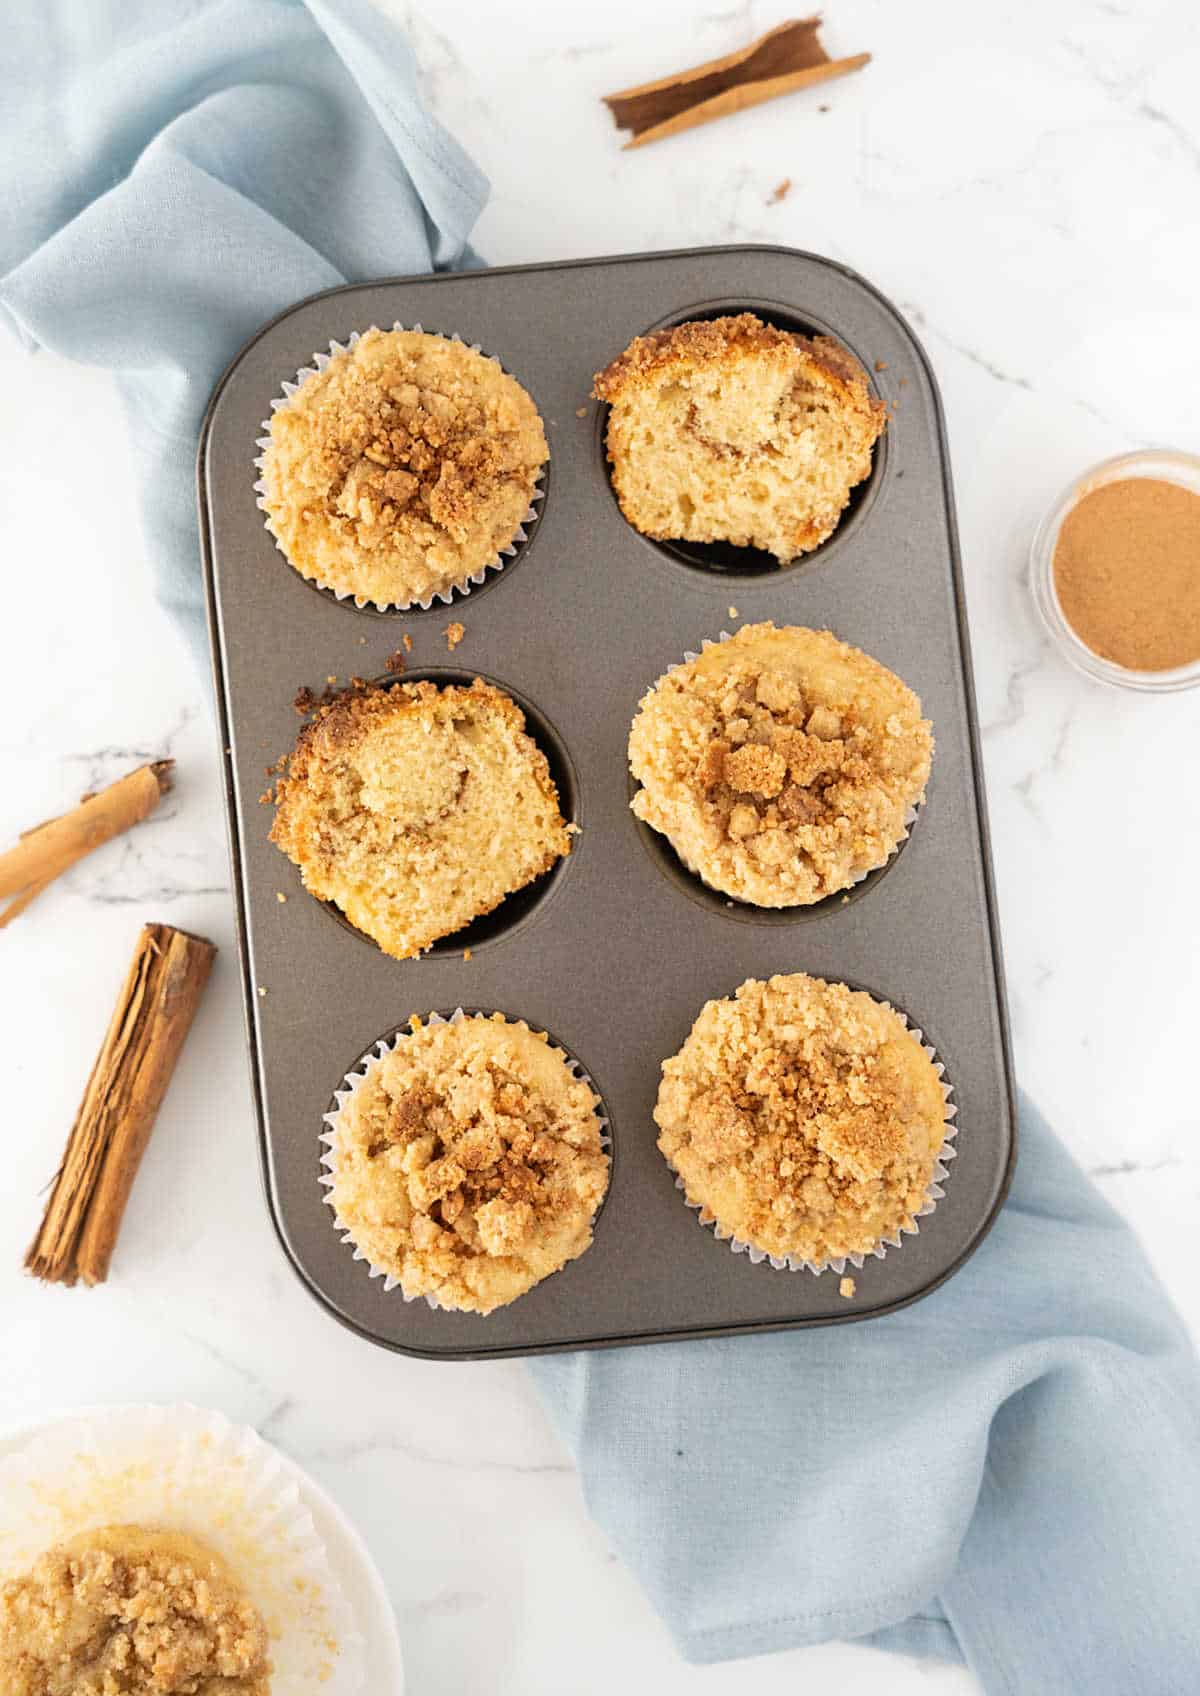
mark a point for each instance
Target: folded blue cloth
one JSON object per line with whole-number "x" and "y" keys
{"x": 1007, "y": 1472}
{"x": 178, "y": 171}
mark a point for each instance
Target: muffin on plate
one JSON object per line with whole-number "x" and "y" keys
{"x": 161, "y": 1551}
{"x": 146, "y": 1612}
{"x": 468, "y": 1161}
{"x": 804, "y": 1119}
{"x": 730, "y": 430}
{"x": 416, "y": 809}
{"x": 782, "y": 765}
{"x": 402, "y": 468}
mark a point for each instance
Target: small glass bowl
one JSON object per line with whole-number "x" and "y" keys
{"x": 1163, "y": 463}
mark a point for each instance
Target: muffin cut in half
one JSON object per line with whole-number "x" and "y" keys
{"x": 804, "y": 1118}
{"x": 416, "y": 809}
{"x": 145, "y": 1612}
{"x": 781, "y": 765}
{"x": 468, "y": 1163}
{"x": 402, "y": 468}
{"x": 730, "y": 430}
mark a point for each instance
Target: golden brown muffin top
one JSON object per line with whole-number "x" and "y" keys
{"x": 402, "y": 468}
{"x": 130, "y": 1611}
{"x": 804, "y": 1117}
{"x": 781, "y": 763}
{"x": 468, "y": 1163}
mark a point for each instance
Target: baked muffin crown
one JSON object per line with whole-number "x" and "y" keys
{"x": 468, "y": 1162}
{"x": 401, "y": 468}
{"x": 804, "y": 1117}
{"x": 780, "y": 764}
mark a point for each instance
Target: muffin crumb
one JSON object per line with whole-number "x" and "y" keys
{"x": 846, "y": 1287}
{"x": 454, "y": 635}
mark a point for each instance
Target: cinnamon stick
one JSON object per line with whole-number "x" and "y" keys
{"x": 49, "y": 849}
{"x": 154, "y": 1011}
{"x": 787, "y": 58}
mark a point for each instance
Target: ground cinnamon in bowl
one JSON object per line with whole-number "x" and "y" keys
{"x": 1116, "y": 571}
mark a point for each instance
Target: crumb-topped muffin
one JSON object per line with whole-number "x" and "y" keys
{"x": 803, "y": 1117}
{"x": 129, "y": 1611}
{"x": 416, "y": 809}
{"x": 468, "y": 1162}
{"x": 402, "y": 468}
{"x": 730, "y": 430}
{"x": 781, "y": 765}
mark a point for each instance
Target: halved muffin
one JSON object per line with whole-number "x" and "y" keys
{"x": 416, "y": 809}
{"x": 731, "y": 430}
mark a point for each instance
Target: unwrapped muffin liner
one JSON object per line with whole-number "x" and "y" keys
{"x": 446, "y": 596}
{"x": 910, "y": 818}
{"x": 188, "y": 1469}
{"x": 358, "y": 1075}
{"x": 933, "y": 1190}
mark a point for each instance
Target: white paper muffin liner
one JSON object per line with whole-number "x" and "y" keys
{"x": 188, "y": 1469}
{"x": 445, "y": 596}
{"x": 933, "y": 1190}
{"x": 910, "y": 818}
{"x": 358, "y": 1075}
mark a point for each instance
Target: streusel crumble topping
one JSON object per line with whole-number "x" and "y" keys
{"x": 401, "y": 468}
{"x": 469, "y": 1162}
{"x": 803, "y": 1116}
{"x": 780, "y": 764}
{"x": 127, "y": 1611}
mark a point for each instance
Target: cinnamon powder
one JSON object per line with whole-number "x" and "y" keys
{"x": 1127, "y": 573}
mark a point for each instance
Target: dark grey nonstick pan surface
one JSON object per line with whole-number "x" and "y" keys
{"x": 616, "y": 951}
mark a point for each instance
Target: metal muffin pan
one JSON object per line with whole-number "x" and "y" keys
{"x": 619, "y": 948}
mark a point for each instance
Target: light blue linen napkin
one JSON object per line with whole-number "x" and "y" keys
{"x": 178, "y": 171}
{"x": 1008, "y": 1472}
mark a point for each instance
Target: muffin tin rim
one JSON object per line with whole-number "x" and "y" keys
{"x": 960, "y": 683}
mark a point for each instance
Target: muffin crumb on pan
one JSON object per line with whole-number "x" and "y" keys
{"x": 416, "y": 809}
{"x": 781, "y": 764}
{"x": 728, "y": 429}
{"x": 467, "y": 1161}
{"x": 401, "y": 468}
{"x": 805, "y": 1120}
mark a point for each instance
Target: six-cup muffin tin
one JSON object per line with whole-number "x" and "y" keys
{"x": 614, "y": 951}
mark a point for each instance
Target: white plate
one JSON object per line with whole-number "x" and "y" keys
{"x": 348, "y": 1555}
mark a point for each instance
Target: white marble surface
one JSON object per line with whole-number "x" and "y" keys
{"x": 1024, "y": 183}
